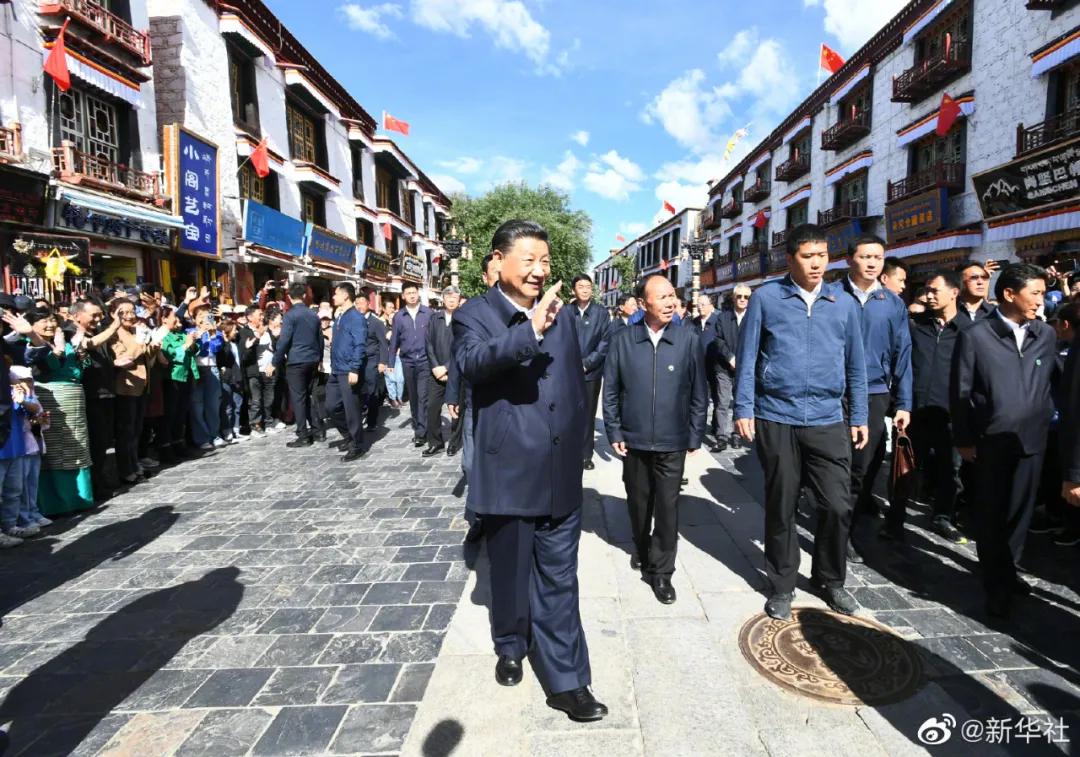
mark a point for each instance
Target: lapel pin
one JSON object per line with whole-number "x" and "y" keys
{"x": 671, "y": 368}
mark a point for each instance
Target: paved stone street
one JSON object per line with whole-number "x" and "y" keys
{"x": 269, "y": 601}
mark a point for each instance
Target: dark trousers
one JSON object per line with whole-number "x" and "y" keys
{"x": 652, "y": 482}
{"x": 344, "y": 403}
{"x": 1006, "y": 483}
{"x": 436, "y": 395}
{"x": 592, "y": 394}
{"x": 129, "y": 420}
{"x": 714, "y": 398}
{"x": 261, "y": 405}
{"x": 101, "y": 429}
{"x": 820, "y": 458}
{"x": 417, "y": 376}
{"x": 725, "y": 391}
{"x": 938, "y": 464}
{"x": 374, "y": 391}
{"x": 457, "y": 431}
{"x": 301, "y": 380}
{"x": 319, "y": 409}
{"x": 178, "y": 404}
{"x": 534, "y": 596}
{"x": 866, "y": 462}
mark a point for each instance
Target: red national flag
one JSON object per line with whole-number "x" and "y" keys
{"x": 669, "y": 207}
{"x": 830, "y": 59}
{"x": 663, "y": 265}
{"x": 761, "y": 220}
{"x": 620, "y": 238}
{"x": 56, "y": 63}
{"x": 947, "y": 114}
{"x": 387, "y": 232}
{"x": 392, "y": 124}
{"x": 260, "y": 159}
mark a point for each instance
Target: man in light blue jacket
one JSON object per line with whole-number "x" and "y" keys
{"x": 800, "y": 358}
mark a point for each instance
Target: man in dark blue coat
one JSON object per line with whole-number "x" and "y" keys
{"x": 727, "y": 344}
{"x": 519, "y": 352}
{"x": 707, "y": 325}
{"x": 592, "y": 330}
{"x": 348, "y": 359}
{"x": 375, "y": 365}
{"x": 655, "y": 401}
{"x": 299, "y": 351}
{"x": 409, "y": 338}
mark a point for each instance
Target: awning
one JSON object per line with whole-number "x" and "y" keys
{"x": 940, "y": 243}
{"x": 803, "y": 193}
{"x": 295, "y": 78}
{"x": 924, "y": 20}
{"x": 797, "y": 129}
{"x": 728, "y": 233}
{"x": 98, "y": 76}
{"x": 858, "y": 163}
{"x": 232, "y": 24}
{"x": 116, "y": 207}
{"x": 757, "y": 162}
{"x": 849, "y": 85}
{"x": 732, "y": 183}
{"x": 1056, "y": 53}
{"x": 919, "y": 130}
{"x": 715, "y": 199}
{"x": 1058, "y": 220}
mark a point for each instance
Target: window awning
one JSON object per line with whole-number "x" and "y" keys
{"x": 1053, "y": 55}
{"x": 139, "y": 212}
{"x": 949, "y": 241}
{"x": 858, "y": 163}
{"x": 849, "y": 85}
{"x": 928, "y": 124}
{"x": 98, "y": 76}
{"x": 925, "y": 20}
{"x": 1061, "y": 219}
{"x": 798, "y": 195}
{"x": 797, "y": 129}
{"x": 758, "y": 161}
{"x": 728, "y": 233}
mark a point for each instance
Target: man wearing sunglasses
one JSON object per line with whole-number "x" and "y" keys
{"x": 974, "y": 287}
{"x": 727, "y": 342}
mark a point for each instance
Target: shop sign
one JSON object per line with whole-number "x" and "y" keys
{"x": 376, "y": 263}
{"x": 778, "y": 261}
{"x": 923, "y": 213}
{"x": 1030, "y": 182}
{"x": 43, "y": 263}
{"x": 329, "y": 247}
{"x": 191, "y": 170}
{"x": 22, "y": 196}
{"x": 748, "y": 266}
{"x": 840, "y": 236}
{"x": 268, "y": 228}
{"x": 76, "y": 217}
{"x": 725, "y": 272}
{"x": 412, "y": 267}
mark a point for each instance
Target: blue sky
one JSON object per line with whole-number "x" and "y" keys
{"x": 621, "y": 104}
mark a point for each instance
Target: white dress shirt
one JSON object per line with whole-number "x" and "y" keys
{"x": 655, "y": 336}
{"x": 809, "y": 297}
{"x": 864, "y": 296}
{"x": 529, "y": 312}
{"x": 1019, "y": 332}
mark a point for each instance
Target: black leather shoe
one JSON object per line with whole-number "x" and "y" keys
{"x": 720, "y": 446}
{"x": 475, "y": 533}
{"x": 433, "y": 450}
{"x": 1021, "y": 588}
{"x": 451, "y": 450}
{"x": 302, "y": 441}
{"x": 418, "y": 442}
{"x": 779, "y": 606}
{"x": 589, "y": 465}
{"x": 508, "y": 671}
{"x": 353, "y": 454}
{"x": 839, "y": 600}
{"x": 320, "y": 436}
{"x": 663, "y": 590}
{"x": 999, "y": 605}
{"x": 853, "y": 554}
{"x": 635, "y": 562}
{"x": 579, "y": 704}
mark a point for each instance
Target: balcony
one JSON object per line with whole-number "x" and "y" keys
{"x": 845, "y": 211}
{"x": 731, "y": 210}
{"x": 942, "y": 176}
{"x": 776, "y": 261}
{"x": 925, "y": 78}
{"x": 710, "y": 219}
{"x": 846, "y": 132}
{"x": 754, "y": 248}
{"x": 750, "y": 264}
{"x": 779, "y": 238}
{"x": 77, "y": 167}
{"x": 111, "y": 27}
{"x": 757, "y": 191}
{"x": 11, "y": 144}
{"x": 1056, "y": 129}
{"x": 792, "y": 169}
{"x": 1045, "y": 5}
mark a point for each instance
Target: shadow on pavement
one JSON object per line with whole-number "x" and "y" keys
{"x": 56, "y": 706}
{"x": 443, "y": 739}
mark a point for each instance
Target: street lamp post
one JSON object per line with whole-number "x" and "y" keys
{"x": 696, "y": 252}
{"x": 454, "y": 248}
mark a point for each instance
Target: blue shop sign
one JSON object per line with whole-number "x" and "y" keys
{"x": 326, "y": 246}
{"x": 268, "y": 228}
{"x": 197, "y": 188}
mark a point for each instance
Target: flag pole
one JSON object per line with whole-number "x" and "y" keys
{"x": 821, "y": 51}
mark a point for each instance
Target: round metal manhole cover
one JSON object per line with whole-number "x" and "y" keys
{"x": 832, "y": 658}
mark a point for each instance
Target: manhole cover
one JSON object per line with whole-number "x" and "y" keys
{"x": 833, "y": 658}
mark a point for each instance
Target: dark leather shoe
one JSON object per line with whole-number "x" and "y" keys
{"x": 779, "y": 606}
{"x": 589, "y": 465}
{"x": 418, "y": 442}
{"x": 635, "y": 562}
{"x": 839, "y": 600}
{"x": 303, "y": 441}
{"x": 476, "y": 533}
{"x": 320, "y": 436}
{"x": 999, "y": 605}
{"x": 1021, "y": 588}
{"x": 353, "y": 454}
{"x": 433, "y": 450}
{"x": 579, "y": 704}
{"x": 508, "y": 671}
{"x": 720, "y": 446}
{"x": 451, "y": 450}
{"x": 663, "y": 590}
{"x": 853, "y": 554}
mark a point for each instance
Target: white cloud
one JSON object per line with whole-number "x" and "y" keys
{"x": 739, "y": 47}
{"x": 690, "y": 111}
{"x": 613, "y": 176}
{"x": 564, "y": 175}
{"x": 448, "y": 184}
{"x": 581, "y": 137}
{"x": 502, "y": 170}
{"x": 634, "y": 228}
{"x": 462, "y": 165}
{"x": 370, "y": 20}
{"x": 508, "y": 22}
{"x": 854, "y": 22}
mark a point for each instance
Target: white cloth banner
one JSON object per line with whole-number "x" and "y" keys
{"x": 1045, "y": 225}
{"x": 850, "y": 168}
{"x": 757, "y": 162}
{"x": 1053, "y": 60}
{"x": 131, "y": 95}
{"x": 732, "y": 231}
{"x": 849, "y": 85}
{"x": 921, "y": 131}
{"x": 953, "y": 242}
{"x": 930, "y": 15}
{"x": 799, "y": 196}
{"x": 796, "y": 130}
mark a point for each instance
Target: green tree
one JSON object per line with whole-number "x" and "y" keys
{"x": 568, "y": 230}
{"x": 626, "y": 266}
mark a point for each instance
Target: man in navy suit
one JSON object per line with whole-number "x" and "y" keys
{"x": 409, "y": 337}
{"x": 348, "y": 356}
{"x": 592, "y": 329}
{"x": 708, "y": 330}
{"x": 519, "y": 352}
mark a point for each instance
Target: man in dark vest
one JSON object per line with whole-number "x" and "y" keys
{"x": 409, "y": 339}
{"x": 519, "y": 352}
{"x": 592, "y": 329}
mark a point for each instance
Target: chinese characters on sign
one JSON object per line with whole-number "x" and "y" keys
{"x": 412, "y": 267}
{"x": 922, "y": 214}
{"x": 194, "y": 183}
{"x": 73, "y": 216}
{"x": 327, "y": 246}
{"x": 22, "y": 196}
{"x": 1030, "y": 182}
{"x": 377, "y": 264}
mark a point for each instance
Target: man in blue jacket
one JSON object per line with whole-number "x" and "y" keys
{"x": 887, "y": 346}
{"x": 592, "y": 329}
{"x": 519, "y": 353}
{"x": 409, "y": 337}
{"x": 655, "y": 402}
{"x": 375, "y": 365}
{"x": 348, "y": 359}
{"x": 800, "y": 359}
{"x": 299, "y": 351}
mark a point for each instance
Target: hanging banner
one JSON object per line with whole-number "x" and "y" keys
{"x": 191, "y": 174}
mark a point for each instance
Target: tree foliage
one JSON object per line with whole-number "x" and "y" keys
{"x": 477, "y": 218}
